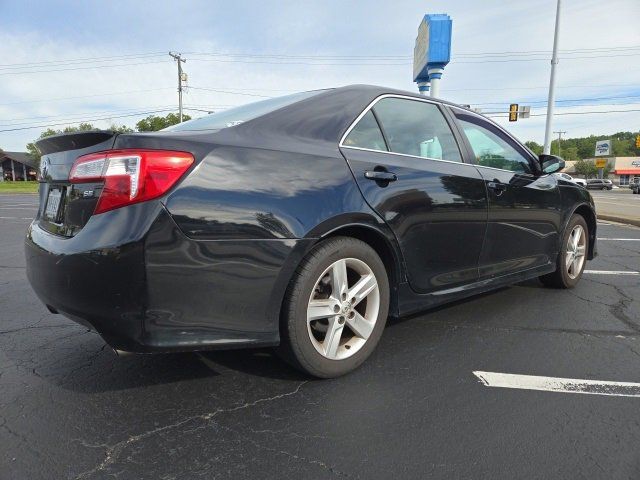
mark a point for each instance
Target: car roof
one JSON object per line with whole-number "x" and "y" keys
{"x": 322, "y": 118}
{"x": 378, "y": 90}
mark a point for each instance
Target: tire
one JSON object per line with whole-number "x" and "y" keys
{"x": 304, "y": 343}
{"x": 568, "y": 276}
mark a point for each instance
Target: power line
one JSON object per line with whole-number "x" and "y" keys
{"x": 566, "y": 100}
{"x": 328, "y": 60}
{"x": 82, "y": 68}
{"x": 86, "y": 59}
{"x": 74, "y": 116}
{"x": 229, "y": 92}
{"x": 542, "y": 87}
{"x": 86, "y": 120}
{"x": 88, "y": 96}
{"x": 594, "y": 112}
{"x": 397, "y": 57}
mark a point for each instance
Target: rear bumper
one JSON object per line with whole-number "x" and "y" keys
{"x": 132, "y": 275}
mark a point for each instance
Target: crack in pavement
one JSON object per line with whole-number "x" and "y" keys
{"x": 114, "y": 451}
{"x": 499, "y": 328}
{"x": 37, "y": 325}
{"x": 618, "y": 309}
{"x": 286, "y": 453}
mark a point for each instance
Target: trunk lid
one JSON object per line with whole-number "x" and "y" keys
{"x": 64, "y": 207}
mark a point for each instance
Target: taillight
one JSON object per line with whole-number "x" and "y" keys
{"x": 130, "y": 176}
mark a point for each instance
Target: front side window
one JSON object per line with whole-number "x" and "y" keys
{"x": 491, "y": 147}
{"x": 366, "y": 134}
{"x": 417, "y": 128}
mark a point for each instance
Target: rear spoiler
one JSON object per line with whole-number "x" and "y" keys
{"x": 73, "y": 141}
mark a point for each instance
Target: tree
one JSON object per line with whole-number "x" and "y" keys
{"x": 120, "y": 128}
{"x": 586, "y": 168}
{"x": 570, "y": 153}
{"x": 623, "y": 144}
{"x": 83, "y": 127}
{"x": 32, "y": 150}
{"x": 153, "y": 123}
{"x": 534, "y": 147}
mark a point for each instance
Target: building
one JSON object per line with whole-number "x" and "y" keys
{"x": 623, "y": 169}
{"x": 17, "y": 166}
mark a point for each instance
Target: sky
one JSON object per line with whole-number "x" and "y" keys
{"x": 107, "y": 62}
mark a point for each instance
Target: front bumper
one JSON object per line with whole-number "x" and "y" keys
{"x": 144, "y": 286}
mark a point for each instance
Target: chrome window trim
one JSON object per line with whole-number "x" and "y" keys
{"x": 408, "y": 155}
{"x": 404, "y": 97}
{"x": 513, "y": 172}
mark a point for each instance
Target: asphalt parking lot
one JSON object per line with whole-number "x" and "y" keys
{"x": 618, "y": 204}
{"x": 69, "y": 408}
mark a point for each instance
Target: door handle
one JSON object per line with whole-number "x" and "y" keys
{"x": 498, "y": 187}
{"x": 380, "y": 176}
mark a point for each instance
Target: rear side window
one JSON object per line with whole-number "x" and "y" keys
{"x": 416, "y": 128}
{"x": 366, "y": 134}
{"x": 491, "y": 147}
{"x": 244, "y": 113}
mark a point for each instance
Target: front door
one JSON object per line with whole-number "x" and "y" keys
{"x": 524, "y": 206}
{"x": 408, "y": 166}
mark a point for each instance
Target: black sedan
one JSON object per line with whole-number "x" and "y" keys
{"x": 300, "y": 222}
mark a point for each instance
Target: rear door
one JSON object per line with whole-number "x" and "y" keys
{"x": 524, "y": 206}
{"x": 409, "y": 168}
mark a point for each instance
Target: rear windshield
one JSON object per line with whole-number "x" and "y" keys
{"x": 244, "y": 113}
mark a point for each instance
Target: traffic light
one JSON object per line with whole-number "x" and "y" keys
{"x": 638, "y": 141}
{"x": 513, "y": 112}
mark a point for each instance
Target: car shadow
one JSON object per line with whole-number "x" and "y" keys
{"x": 533, "y": 283}
{"x": 92, "y": 367}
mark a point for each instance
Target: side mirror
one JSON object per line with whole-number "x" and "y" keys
{"x": 551, "y": 163}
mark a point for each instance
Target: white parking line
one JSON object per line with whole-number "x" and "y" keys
{"x": 611, "y": 272}
{"x": 618, "y": 204}
{"x": 16, "y": 218}
{"x": 620, "y": 239}
{"x": 556, "y": 384}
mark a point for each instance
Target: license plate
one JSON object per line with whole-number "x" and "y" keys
{"x": 53, "y": 204}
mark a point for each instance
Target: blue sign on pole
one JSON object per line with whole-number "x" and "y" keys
{"x": 432, "y": 51}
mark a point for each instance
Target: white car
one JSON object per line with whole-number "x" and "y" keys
{"x": 566, "y": 176}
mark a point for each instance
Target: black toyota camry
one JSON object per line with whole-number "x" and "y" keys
{"x": 300, "y": 222}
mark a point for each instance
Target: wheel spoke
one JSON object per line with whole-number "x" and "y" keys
{"x": 339, "y": 278}
{"x": 360, "y": 326}
{"x": 362, "y": 288}
{"x": 332, "y": 339}
{"x": 576, "y": 266}
{"x": 568, "y": 259}
{"x": 577, "y": 233}
{"x": 320, "y": 309}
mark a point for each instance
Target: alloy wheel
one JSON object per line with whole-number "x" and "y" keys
{"x": 576, "y": 250}
{"x": 343, "y": 308}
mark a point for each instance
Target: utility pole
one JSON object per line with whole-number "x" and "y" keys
{"x": 560, "y": 133}
{"x": 178, "y": 58}
{"x": 552, "y": 86}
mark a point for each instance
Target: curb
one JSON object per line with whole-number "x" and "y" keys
{"x": 625, "y": 220}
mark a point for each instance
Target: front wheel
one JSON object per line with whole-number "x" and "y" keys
{"x": 335, "y": 308}
{"x": 572, "y": 257}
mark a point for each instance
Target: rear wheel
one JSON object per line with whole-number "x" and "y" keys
{"x": 335, "y": 309}
{"x": 572, "y": 257}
